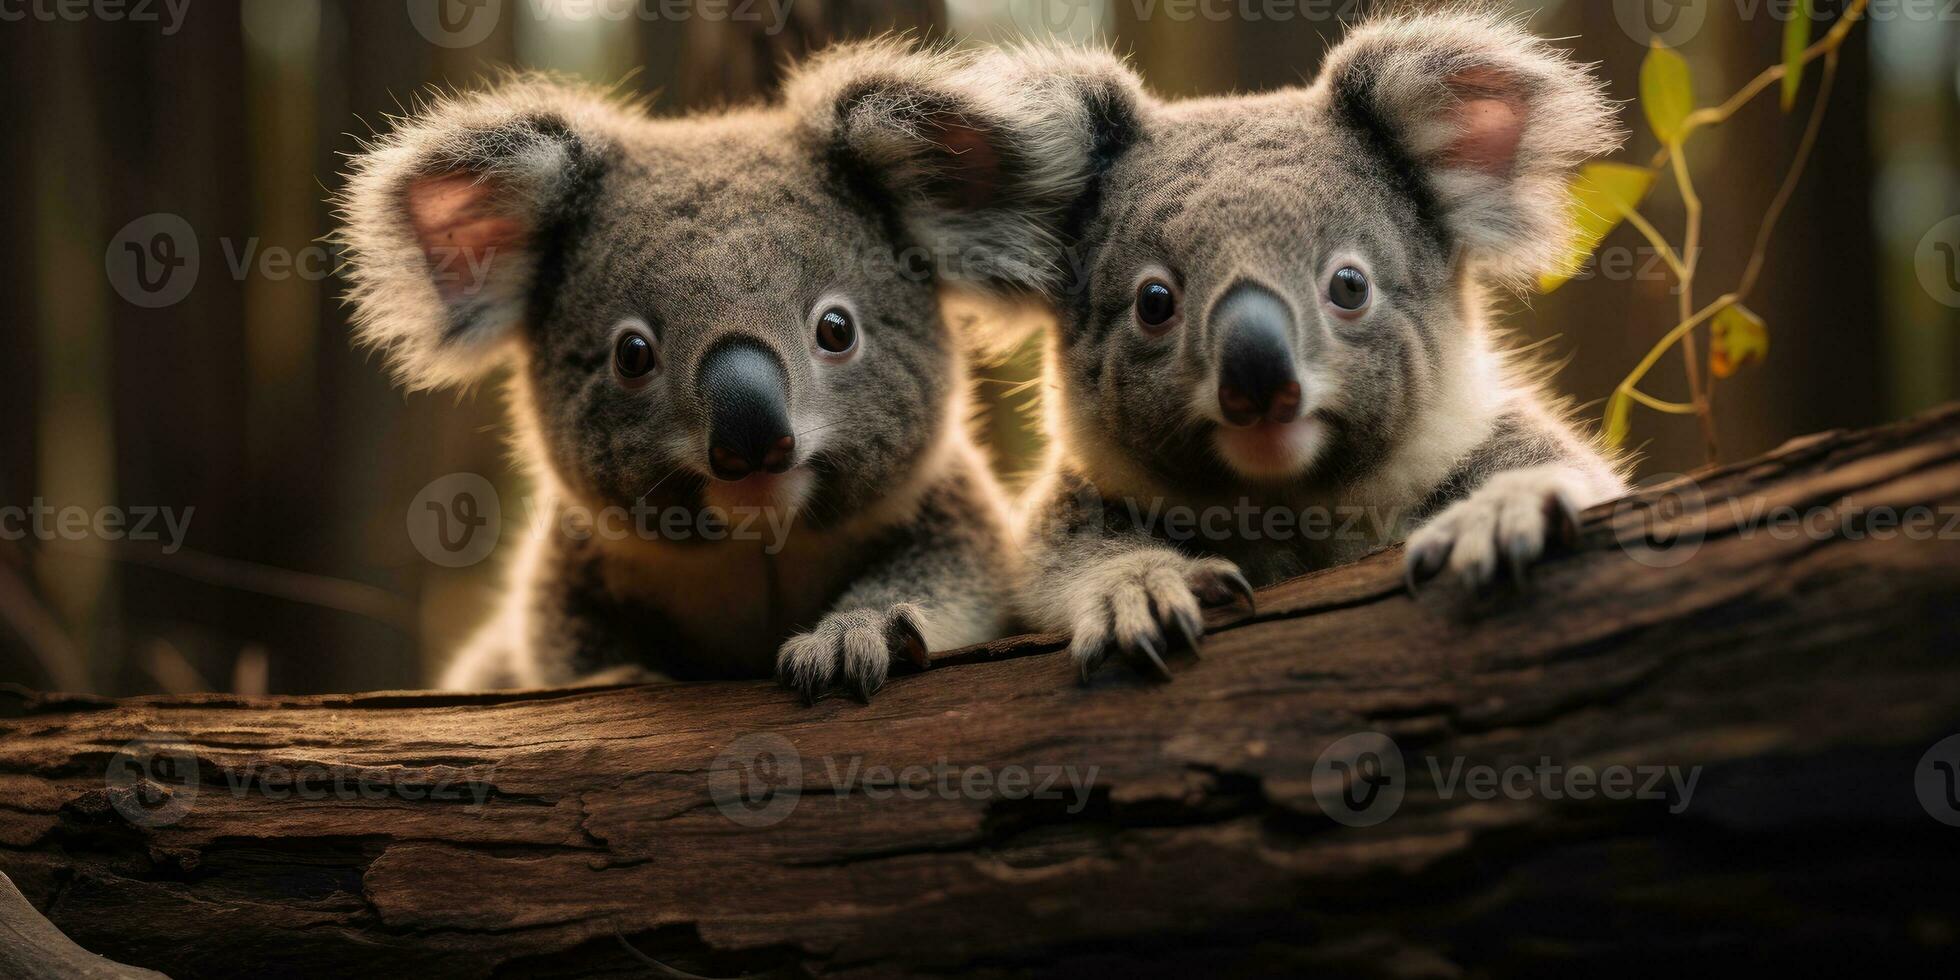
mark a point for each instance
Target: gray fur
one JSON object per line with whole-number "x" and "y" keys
{"x": 578, "y": 216}
{"x": 1433, "y": 152}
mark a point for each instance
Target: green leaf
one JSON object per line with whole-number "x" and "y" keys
{"x": 1796, "y": 40}
{"x": 1667, "y": 93}
{"x": 1601, "y": 197}
{"x": 1740, "y": 337}
{"x": 1617, "y": 410}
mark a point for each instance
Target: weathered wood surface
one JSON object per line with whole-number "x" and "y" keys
{"x": 1805, "y": 675}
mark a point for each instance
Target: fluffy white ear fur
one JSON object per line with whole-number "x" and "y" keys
{"x": 440, "y": 218}
{"x": 1496, "y": 118}
{"x": 982, "y": 152}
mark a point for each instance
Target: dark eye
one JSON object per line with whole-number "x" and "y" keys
{"x": 1156, "y": 305}
{"x": 1349, "y": 289}
{"x": 836, "y": 332}
{"x": 634, "y": 357}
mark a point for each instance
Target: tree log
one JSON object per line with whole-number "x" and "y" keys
{"x": 1704, "y": 735}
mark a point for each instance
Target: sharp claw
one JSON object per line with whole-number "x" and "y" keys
{"x": 1188, "y": 630}
{"x": 1409, "y": 579}
{"x": 862, "y": 691}
{"x": 1236, "y": 581}
{"x": 1148, "y": 648}
{"x": 914, "y": 640}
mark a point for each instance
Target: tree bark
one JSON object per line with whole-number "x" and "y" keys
{"x": 1783, "y": 688}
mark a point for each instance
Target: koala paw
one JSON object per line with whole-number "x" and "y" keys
{"x": 852, "y": 651}
{"x": 1512, "y": 519}
{"x": 1134, "y": 602}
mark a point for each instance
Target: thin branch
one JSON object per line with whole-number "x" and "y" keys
{"x": 1829, "y": 44}
{"x": 1690, "y": 350}
{"x": 1654, "y": 238}
{"x": 1790, "y": 180}
{"x": 1680, "y": 330}
{"x": 1659, "y": 405}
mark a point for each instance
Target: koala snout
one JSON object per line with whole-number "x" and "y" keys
{"x": 747, "y": 394}
{"x": 1257, "y": 381}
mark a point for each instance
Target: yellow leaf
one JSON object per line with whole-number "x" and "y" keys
{"x": 1617, "y": 410}
{"x": 1740, "y": 337}
{"x": 1667, "y": 93}
{"x": 1601, "y": 197}
{"x": 1796, "y": 40}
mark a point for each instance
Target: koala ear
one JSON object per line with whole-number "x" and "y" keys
{"x": 980, "y": 155}
{"x": 1488, "y": 120}
{"x": 445, "y": 218}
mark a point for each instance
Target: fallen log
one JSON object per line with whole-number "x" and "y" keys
{"x": 1710, "y": 734}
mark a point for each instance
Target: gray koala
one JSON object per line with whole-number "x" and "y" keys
{"x": 730, "y": 378}
{"x": 1274, "y": 305}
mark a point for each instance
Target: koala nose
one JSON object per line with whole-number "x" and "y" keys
{"x": 748, "y": 411}
{"x": 1256, "y": 381}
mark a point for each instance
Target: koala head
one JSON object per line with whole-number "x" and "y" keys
{"x": 1273, "y": 287}
{"x": 727, "y": 309}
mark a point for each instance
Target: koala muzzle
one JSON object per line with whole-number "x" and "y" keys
{"x": 747, "y": 395}
{"x": 1256, "y": 378}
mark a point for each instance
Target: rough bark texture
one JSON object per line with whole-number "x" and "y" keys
{"x": 1807, "y": 675}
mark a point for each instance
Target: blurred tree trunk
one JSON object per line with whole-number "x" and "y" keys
{"x": 733, "y": 60}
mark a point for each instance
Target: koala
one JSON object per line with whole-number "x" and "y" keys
{"x": 728, "y": 375}
{"x": 1276, "y": 304}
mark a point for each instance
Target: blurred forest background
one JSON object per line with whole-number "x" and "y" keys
{"x": 244, "y": 400}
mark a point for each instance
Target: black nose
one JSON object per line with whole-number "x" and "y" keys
{"x": 748, "y": 411}
{"x": 1255, "y": 378}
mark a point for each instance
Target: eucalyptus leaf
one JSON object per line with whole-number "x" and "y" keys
{"x": 1601, "y": 197}
{"x": 1740, "y": 337}
{"x": 1667, "y": 93}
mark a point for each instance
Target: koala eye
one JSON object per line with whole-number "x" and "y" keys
{"x": 836, "y": 332}
{"x": 634, "y": 357}
{"x": 1156, "y": 305}
{"x": 1348, "y": 290}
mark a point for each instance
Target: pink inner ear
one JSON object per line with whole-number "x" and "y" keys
{"x": 458, "y": 230}
{"x": 1489, "y": 121}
